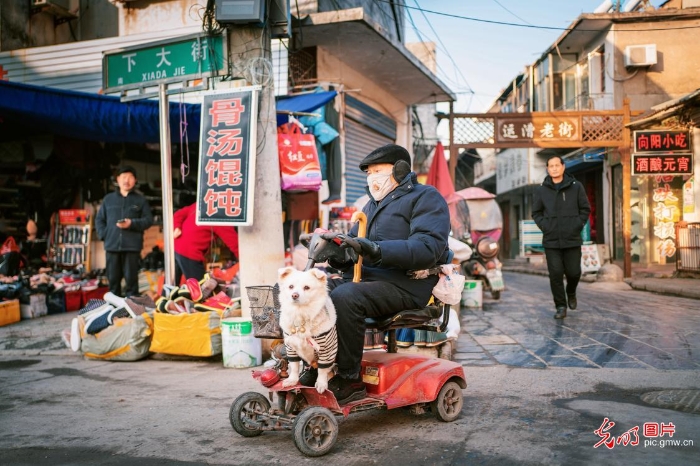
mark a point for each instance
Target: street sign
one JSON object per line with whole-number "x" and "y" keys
{"x": 228, "y": 147}
{"x": 173, "y": 60}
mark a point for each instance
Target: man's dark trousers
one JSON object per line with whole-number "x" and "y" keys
{"x": 355, "y": 301}
{"x": 560, "y": 262}
{"x": 123, "y": 265}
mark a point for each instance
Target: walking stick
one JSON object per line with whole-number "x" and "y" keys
{"x": 361, "y": 219}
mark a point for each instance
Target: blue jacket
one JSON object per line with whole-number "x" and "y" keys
{"x": 561, "y": 212}
{"x": 116, "y": 207}
{"x": 411, "y": 226}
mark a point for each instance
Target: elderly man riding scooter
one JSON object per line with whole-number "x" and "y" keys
{"x": 407, "y": 229}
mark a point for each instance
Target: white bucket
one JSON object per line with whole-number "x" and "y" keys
{"x": 473, "y": 295}
{"x": 240, "y": 348}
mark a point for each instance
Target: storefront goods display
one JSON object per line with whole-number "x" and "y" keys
{"x": 299, "y": 163}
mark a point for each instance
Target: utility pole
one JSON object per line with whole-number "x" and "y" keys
{"x": 261, "y": 245}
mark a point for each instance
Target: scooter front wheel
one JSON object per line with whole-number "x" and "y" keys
{"x": 315, "y": 431}
{"x": 448, "y": 404}
{"x": 496, "y": 294}
{"x": 245, "y": 413}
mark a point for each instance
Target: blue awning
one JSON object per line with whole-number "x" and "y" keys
{"x": 302, "y": 103}
{"x": 28, "y": 110}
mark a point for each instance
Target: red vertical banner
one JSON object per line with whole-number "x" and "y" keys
{"x": 226, "y": 179}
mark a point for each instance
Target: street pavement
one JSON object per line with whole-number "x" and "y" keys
{"x": 538, "y": 389}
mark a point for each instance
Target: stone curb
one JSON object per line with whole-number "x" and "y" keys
{"x": 640, "y": 284}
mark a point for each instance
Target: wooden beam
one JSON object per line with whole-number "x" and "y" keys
{"x": 453, "y": 150}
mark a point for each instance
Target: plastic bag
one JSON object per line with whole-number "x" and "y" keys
{"x": 450, "y": 285}
{"x": 299, "y": 164}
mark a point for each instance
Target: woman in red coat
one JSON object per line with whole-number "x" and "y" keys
{"x": 192, "y": 242}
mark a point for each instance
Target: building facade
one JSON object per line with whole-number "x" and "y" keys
{"x": 641, "y": 54}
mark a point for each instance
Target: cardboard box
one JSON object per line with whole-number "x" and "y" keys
{"x": 36, "y": 307}
{"x": 9, "y": 312}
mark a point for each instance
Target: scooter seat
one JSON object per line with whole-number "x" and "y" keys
{"x": 408, "y": 318}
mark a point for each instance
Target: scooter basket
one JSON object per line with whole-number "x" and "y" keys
{"x": 265, "y": 311}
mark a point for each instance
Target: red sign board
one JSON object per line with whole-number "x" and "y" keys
{"x": 661, "y": 141}
{"x": 662, "y": 164}
{"x": 73, "y": 216}
{"x": 227, "y": 157}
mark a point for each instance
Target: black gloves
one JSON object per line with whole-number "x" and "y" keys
{"x": 363, "y": 246}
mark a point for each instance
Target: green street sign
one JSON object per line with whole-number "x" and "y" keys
{"x": 173, "y": 60}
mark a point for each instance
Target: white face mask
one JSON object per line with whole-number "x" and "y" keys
{"x": 380, "y": 184}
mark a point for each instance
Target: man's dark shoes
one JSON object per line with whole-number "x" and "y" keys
{"x": 308, "y": 377}
{"x": 561, "y": 312}
{"x": 347, "y": 390}
{"x": 572, "y": 302}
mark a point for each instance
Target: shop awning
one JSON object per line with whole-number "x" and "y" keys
{"x": 290, "y": 104}
{"x": 27, "y": 110}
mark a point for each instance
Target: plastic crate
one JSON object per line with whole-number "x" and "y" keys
{"x": 97, "y": 293}
{"x": 73, "y": 299}
{"x": 265, "y": 311}
{"x": 9, "y": 312}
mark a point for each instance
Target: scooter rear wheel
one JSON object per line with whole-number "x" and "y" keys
{"x": 448, "y": 404}
{"x": 315, "y": 431}
{"x": 245, "y": 411}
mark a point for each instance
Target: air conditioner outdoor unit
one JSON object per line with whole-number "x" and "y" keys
{"x": 640, "y": 55}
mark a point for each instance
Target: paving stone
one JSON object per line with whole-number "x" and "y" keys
{"x": 494, "y": 340}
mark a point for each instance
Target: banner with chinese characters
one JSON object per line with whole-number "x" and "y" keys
{"x": 519, "y": 129}
{"x": 227, "y": 157}
{"x": 512, "y": 167}
{"x": 666, "y": 207}
{"x": 667, "y": 164}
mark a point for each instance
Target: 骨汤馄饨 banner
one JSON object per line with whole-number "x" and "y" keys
{"x": 226, "y": 182}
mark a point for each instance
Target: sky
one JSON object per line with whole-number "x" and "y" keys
{"x": 477, "y": 60}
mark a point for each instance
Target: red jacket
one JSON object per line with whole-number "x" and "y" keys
{"x": 195, "y": 240}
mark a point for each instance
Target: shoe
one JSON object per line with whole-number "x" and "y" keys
{"x": 118, "y": 302}
{"x": 420, "y": 337}
{"x": 561, "y": 312}
{"x": 404, "y": 337}
{"x": 347, "y": 390}
{"x": 435, "y": 338}
{"x": 92, "y": 306}
{"x": 121, "y": 313}
{"x": 75, "y": 335}
{"x": 208, "y": 286}
{"x": 98, "y": 322}
{"x": 572, "y": 302}
{"x": 136, "y": 307}
{"x": 218, "y": 302}
{"x": 308, "y": 377}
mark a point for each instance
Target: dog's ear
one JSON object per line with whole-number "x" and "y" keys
{"x": 284, "y": 272}
{"x": 319, "y": 274}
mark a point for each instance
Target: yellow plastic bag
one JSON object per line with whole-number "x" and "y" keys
{"x": 197, "y": 334}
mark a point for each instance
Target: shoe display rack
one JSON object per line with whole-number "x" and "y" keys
{"x": 70, "y": 239}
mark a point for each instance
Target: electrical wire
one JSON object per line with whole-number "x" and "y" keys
{"x": 533, "y": 26}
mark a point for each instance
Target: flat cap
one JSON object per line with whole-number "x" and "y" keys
{"x": 391, "y": 153}
{"x": 126, "y": 169}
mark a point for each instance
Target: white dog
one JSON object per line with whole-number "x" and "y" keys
{"x": 307, "y": 318}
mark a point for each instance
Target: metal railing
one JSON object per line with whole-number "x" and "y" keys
{"x": 688, "y": 247}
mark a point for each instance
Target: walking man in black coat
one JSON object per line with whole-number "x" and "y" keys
{"x": 560, "y": 209}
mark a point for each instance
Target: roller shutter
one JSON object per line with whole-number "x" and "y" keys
{"x": 365, "y": 130}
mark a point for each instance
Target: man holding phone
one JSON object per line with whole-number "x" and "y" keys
{"x": 120, "y": 223}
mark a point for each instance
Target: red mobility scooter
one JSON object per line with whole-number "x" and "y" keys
{"x": 392, "y": 380}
